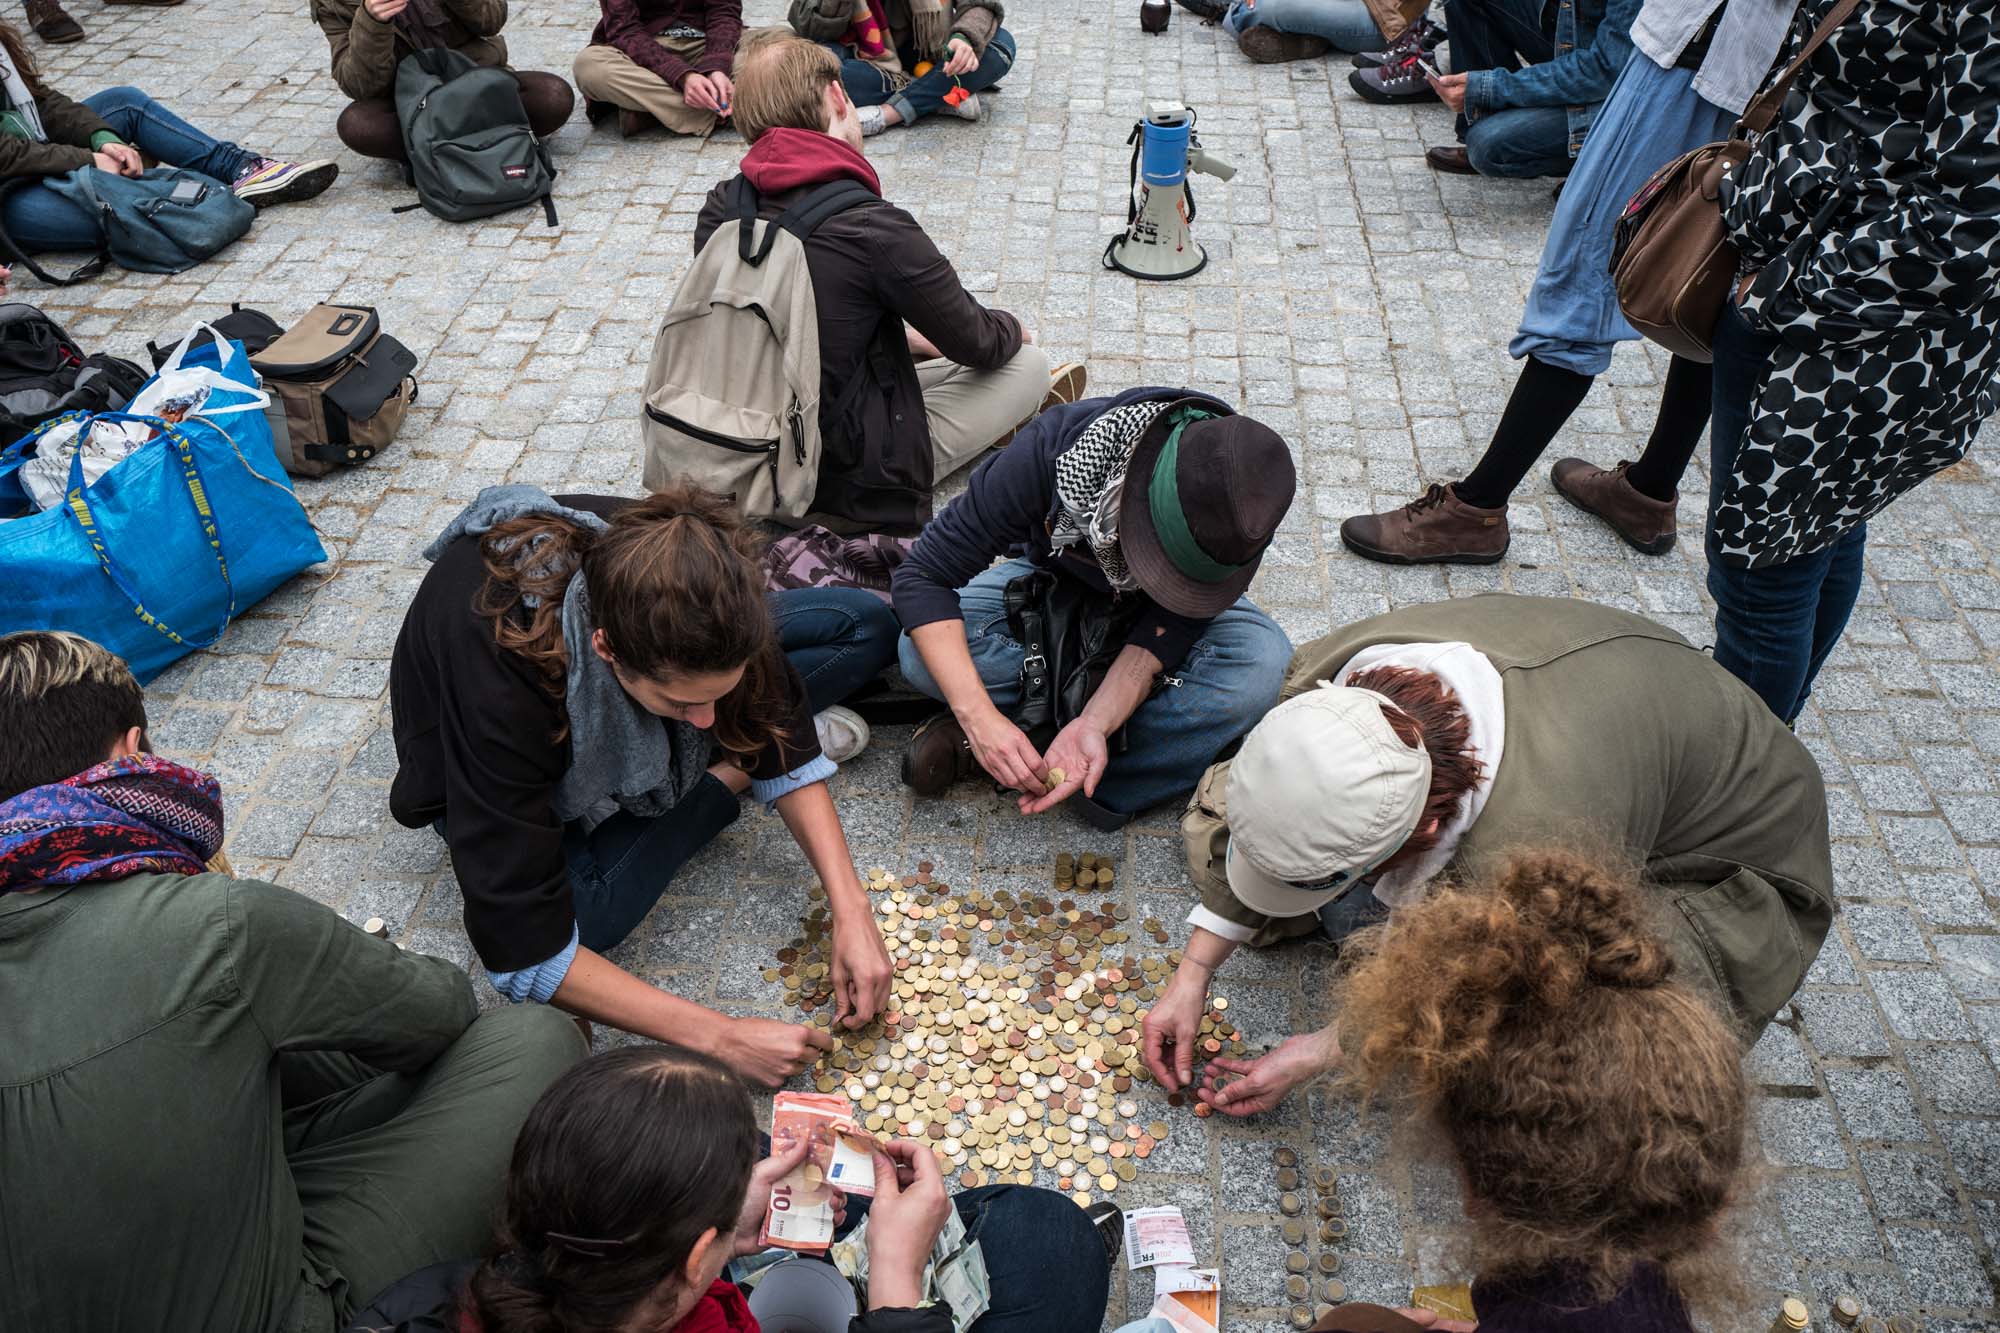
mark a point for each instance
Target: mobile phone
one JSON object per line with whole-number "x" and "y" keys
{"x": 1427, "y": 67}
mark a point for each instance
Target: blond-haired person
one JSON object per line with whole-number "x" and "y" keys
{"x": 917, "y": 378}
{"x": 222, "y": 1106}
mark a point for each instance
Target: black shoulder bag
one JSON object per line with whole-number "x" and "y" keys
{"x": 1070, "y": 634}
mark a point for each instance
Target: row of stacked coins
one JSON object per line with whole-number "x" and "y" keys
{"x": 1301, "y": 1287}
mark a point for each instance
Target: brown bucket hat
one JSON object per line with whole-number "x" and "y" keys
{"x": 1204, "y": 492}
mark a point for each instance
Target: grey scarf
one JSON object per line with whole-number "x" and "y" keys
{"x": 620, "y": 754}
{"x": 19, "y": 100}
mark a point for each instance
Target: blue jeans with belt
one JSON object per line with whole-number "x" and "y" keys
{"x": 868, "y": 85}
{"x": 838, "y": 639}
{"x": 40, "y": 219}
{"x": 1228, "y": 681}
{"x": 1774, "y": 625}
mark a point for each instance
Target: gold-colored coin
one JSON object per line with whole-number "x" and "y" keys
{"x": 1296, "y": 1262}
{"x": 1329, "y": 1262}
{"x": 1297, "y": 1287}
{"x": 1294, "y": 1232}
{"x": 1107, "y": 1182}
{"x": 1332, "y": 1292}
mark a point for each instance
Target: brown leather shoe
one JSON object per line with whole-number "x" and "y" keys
{"x": 1437, "y": 528}
{"x": 1268, "y": 46}
{"x": 937, "y": 756}
{"x": 1646, "y": 524}
{"x": 1453, "y": 161}
{"x": 52, "y": 22}
{"x": 632, "y": 123}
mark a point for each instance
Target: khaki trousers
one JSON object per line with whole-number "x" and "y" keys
{"x": 604, "y": 73}
{"x": 970, "y": 409}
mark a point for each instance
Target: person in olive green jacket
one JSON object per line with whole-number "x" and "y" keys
{"x": 1434, "y": 739}
{"x": 222, "y": 1106}
{"x": 370, "y": 38}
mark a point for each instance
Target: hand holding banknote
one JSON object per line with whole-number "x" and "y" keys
{"x": 783, "y": 1159}
{"x": 910, "y": 1209}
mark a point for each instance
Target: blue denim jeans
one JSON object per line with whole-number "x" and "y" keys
{"x": 1774, "y": 625}
{"x": 1652, "y": 116}
{"x": 1047, "y": 1266}
{"x": 1519, "y": 141}
{"x": 1345, "y": 24}
{"x": 838, "y": 638}
{"x": 868, "y": 86}
{"x": 1230, "y": 679}
{"x": 39, "y": 219}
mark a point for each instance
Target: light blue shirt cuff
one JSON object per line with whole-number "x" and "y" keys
{"x": 537, "y": 983}
{"x": 817, "y": 769}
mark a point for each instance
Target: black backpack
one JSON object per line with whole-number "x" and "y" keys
{"x": 471, "y": 151}
{"x": 43, "y": 373}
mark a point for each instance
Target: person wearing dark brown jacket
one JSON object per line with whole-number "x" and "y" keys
{"x": 917, "y": 378}
{"x": 661, "y": 61}
{"x": 45, "y": 136}
{"x": 370, "y": 38}
{"x": 903, "y": 59}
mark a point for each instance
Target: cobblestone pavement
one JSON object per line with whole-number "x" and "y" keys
{"x": 1358, "y": 303}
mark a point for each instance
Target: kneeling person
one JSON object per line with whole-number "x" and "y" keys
{"x": 227, "y": 1107}
{"x": 1151, "y": 510}
{"x": 1442, "y": 736}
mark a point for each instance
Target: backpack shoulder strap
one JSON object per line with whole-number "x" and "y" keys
{"x": 806, "y": 216}
{"x": 90, "y": 268}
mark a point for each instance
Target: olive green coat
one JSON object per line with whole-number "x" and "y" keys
{"x": 1621, "y": 737}
{"x": 366, "y": 51}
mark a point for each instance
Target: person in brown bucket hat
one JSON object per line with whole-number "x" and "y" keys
{"x": 1113, "y": 654}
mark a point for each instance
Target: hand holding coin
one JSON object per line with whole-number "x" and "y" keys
{"x": 1171, "y": 1027}
{"x": 1249, "y": 1087}
{"x": 1075, "y": 761}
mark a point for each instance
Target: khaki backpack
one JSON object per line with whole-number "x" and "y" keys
{"x": 732, "y": 393}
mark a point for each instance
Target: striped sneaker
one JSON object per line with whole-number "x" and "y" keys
{"x": 267, "y": 181}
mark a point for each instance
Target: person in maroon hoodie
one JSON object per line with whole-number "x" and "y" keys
{"x": 661, "y": 60}
{"x": 951, "y": 378}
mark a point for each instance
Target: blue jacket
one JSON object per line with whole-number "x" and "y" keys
{"x": 1007, "y": 509}
{"x": 1593, "y": 40}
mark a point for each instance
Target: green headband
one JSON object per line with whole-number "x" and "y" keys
{"x": 1170, "y": 523}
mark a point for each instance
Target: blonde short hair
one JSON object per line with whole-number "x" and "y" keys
{"x": 64, "y": 702}
{"x": 781, "y": 81}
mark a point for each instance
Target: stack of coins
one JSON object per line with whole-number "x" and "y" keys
{"x": 1011, "y": 1038}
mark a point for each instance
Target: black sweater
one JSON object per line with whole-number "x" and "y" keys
{"x": 474, "y": 735}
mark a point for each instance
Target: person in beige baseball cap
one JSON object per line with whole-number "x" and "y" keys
{"x": 1429, "y": 742}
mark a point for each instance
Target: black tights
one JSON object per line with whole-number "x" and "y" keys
{"x": 1546, "y": 396}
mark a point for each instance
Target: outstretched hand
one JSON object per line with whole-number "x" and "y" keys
{"x": 1250, "y": 1087}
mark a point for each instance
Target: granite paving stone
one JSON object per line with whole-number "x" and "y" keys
{"x": 1361, "y": 305}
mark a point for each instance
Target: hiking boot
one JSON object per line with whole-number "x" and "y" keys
{"x": 1437, "y": 528}
{"x": 52, "y": 22}
{"x": 267, "y": 181}
{"x": 1393, "y": 83}
{"x": 1066, "y": 384}
{"x": 1419, "y": 39}
{"x": 1646, "y": 524}
{"x": 937, "y": 756}
{"x": 1268, "y": 46}
{"x": 1452, "y": 160}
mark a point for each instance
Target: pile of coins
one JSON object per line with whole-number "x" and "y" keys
{"x": 1300, "y": 1284}
{"x": 1011, "y": 1039}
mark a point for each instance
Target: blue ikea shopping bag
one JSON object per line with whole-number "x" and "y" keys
{"x": 155, "y": 558}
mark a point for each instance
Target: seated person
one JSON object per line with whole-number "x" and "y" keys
{"x": 885, "y": 299}
{"x": 1441, "y": 736}
{"x": 636, "y": 1180}
{"x": 1558, "y": 1054}
{"x": 44, "y": 135}
{"x": 1374, "y": 32}
{"x": 579, "y": 704}
{"x": 661, "y": 61}
{"x": 904, "y": 59}
{"x": 1527, "y": 80}
{"x": 226, "y": 1107}
{"x": 370, "y": 38}
{"x": 1163, "y": 498}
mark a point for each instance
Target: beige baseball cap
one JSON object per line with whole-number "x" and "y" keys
{"x": 1322, "y": 792}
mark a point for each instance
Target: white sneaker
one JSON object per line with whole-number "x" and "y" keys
{"x": 872, "y": 122}
{"x": 842, "y": 733}
{"x": 970, "y": 109}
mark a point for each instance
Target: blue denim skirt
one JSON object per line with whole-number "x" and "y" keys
{"x": 1652, "y": 116}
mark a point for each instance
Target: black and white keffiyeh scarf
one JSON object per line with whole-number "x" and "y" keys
{"x": 1090, "y": 482}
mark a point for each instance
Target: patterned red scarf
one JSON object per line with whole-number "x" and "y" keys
{"x": 869, "y": 33}
{"x": 125, "y": 817}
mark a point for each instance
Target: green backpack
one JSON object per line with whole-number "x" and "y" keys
{"x": 471, "y": 151}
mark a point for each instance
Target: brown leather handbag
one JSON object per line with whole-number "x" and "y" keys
{"x": 1670, "y": 256}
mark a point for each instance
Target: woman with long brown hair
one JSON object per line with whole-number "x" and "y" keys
{"x": 1538, "y": 1030}
{"x": 44, "y": 135}
{"x": 583, "y": 688}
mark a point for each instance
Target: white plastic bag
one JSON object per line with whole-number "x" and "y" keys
{"x": 45, "y": 474}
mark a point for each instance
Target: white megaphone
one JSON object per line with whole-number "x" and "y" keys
{"x": 1156, "y": 243}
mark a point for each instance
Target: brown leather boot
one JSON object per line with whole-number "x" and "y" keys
{"x": 1436, "y": 528}
{"x": 1646, "y": 524}
{"x": 633, "y": 123}
{"x": 52, "y": 22}
{"x": 937, "y": 756}
{"x": 1268, "y": 46}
